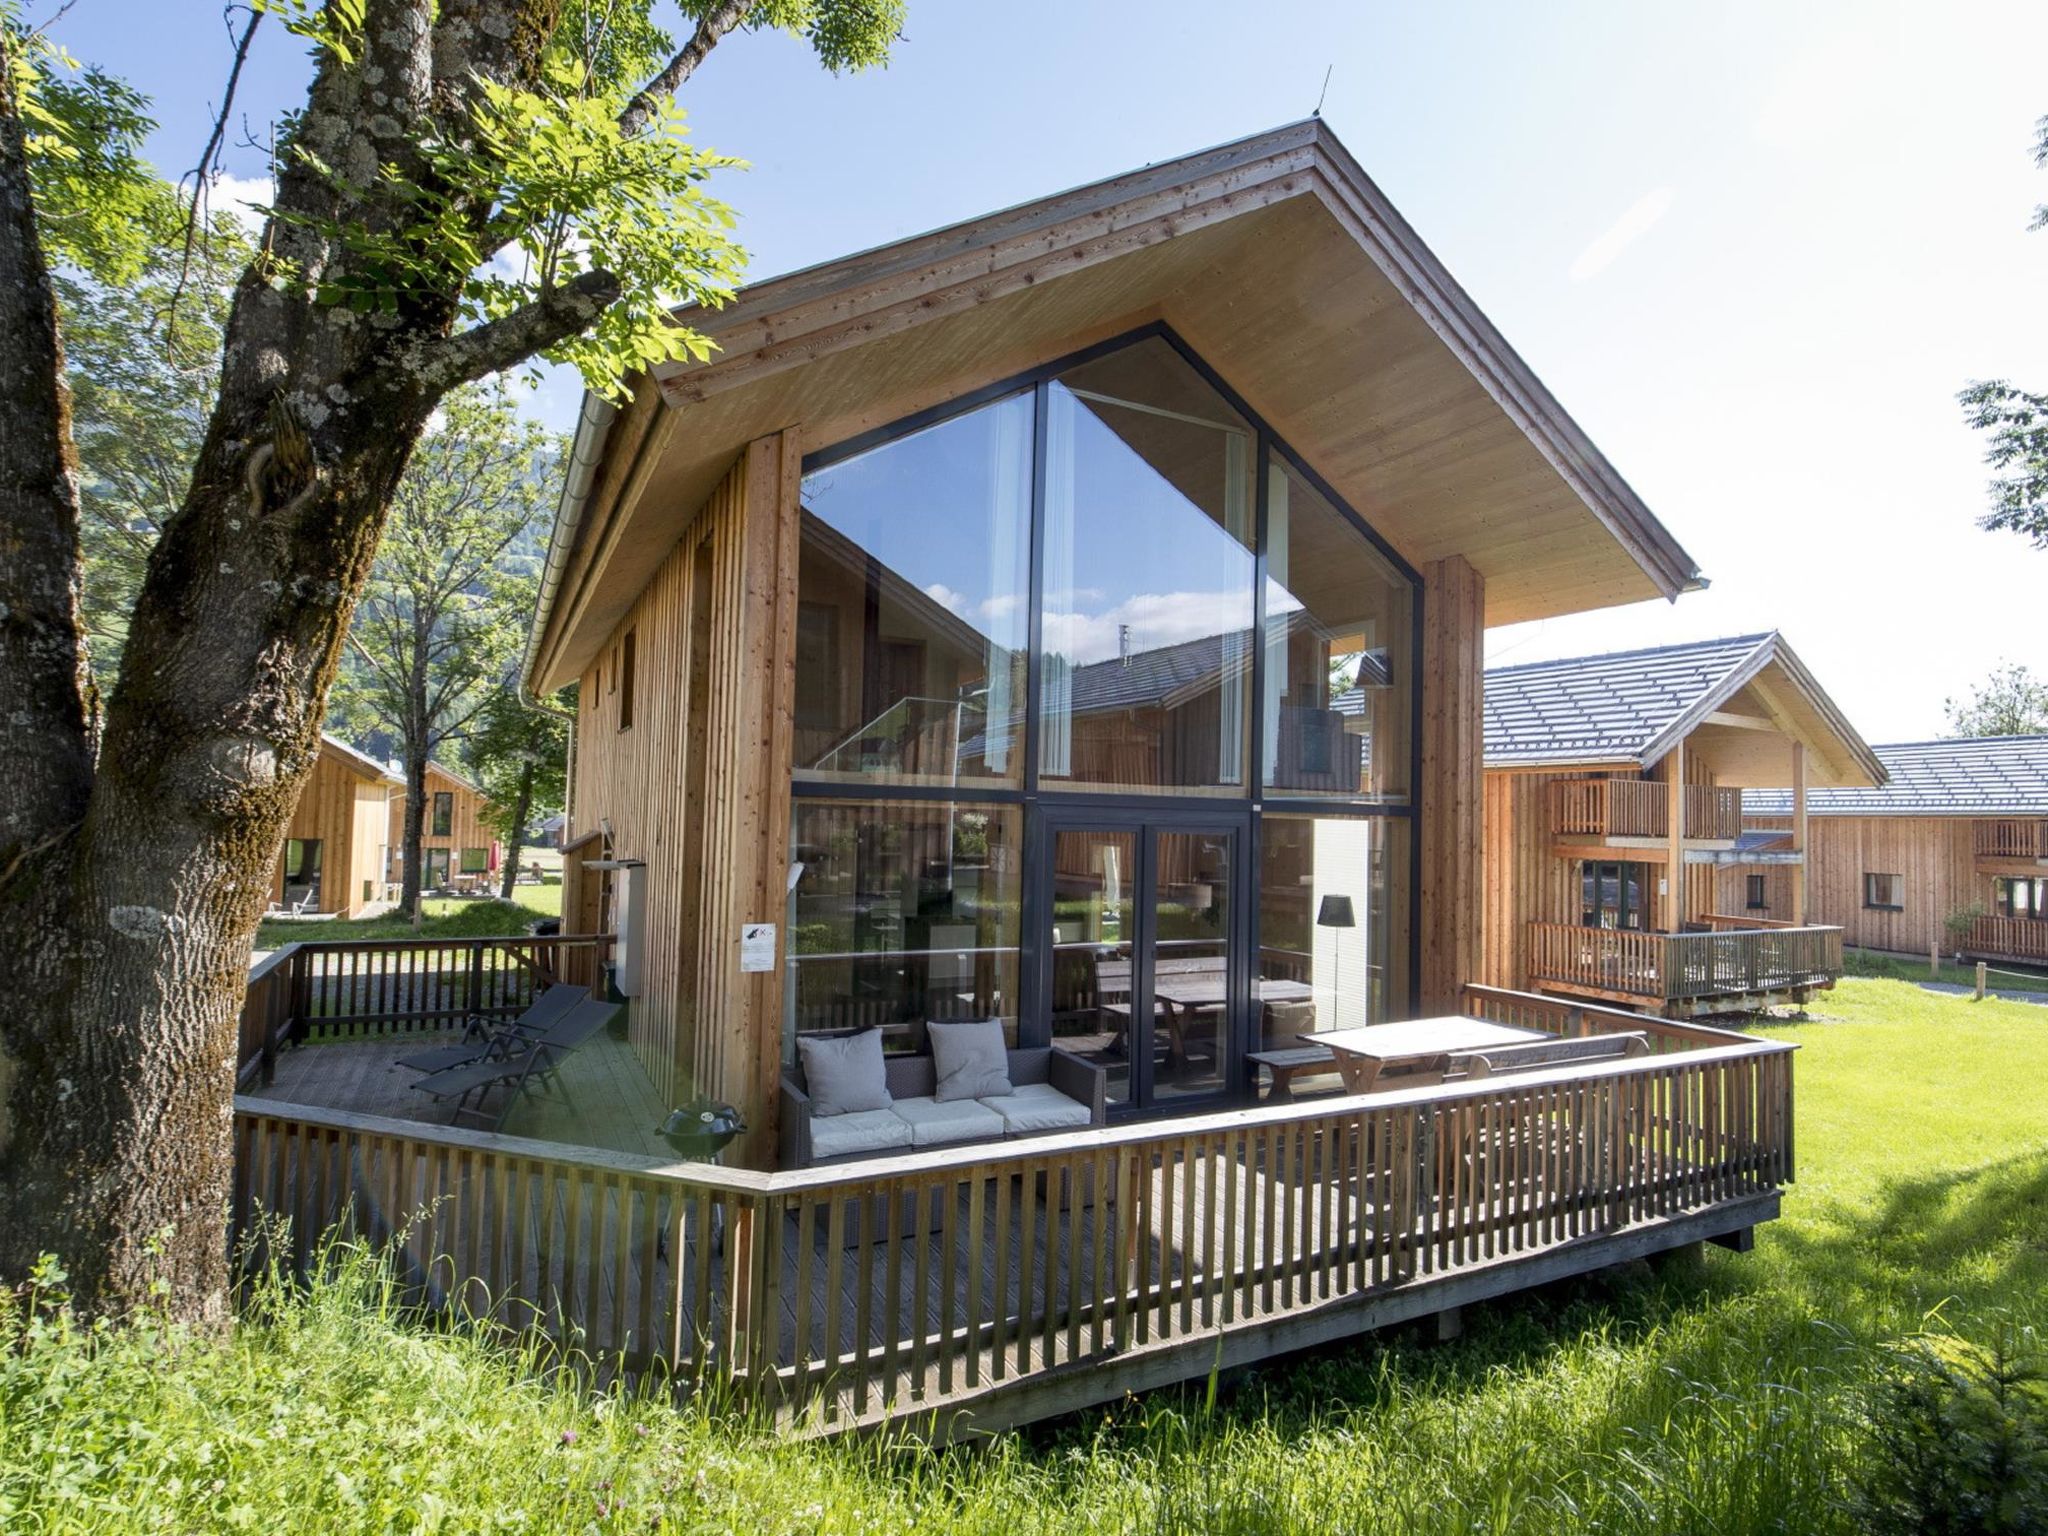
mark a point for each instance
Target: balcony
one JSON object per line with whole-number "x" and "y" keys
{"x": 1621, "y": 809}
{"x": 2009, "y": 938}
{"x": 2024, "y": 840}
{"x": 1742, "y": 963}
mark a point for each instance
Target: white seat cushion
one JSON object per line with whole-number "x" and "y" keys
{"x": 1033, "y": 1107}
{"x": 933, "y": 1124}
{"x": 863, "y": 1130}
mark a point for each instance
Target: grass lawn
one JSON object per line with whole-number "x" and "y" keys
{"x": 453, "y": 917}
{"x": 1716, "y": 1396}
{"x": 1870, "y": 963}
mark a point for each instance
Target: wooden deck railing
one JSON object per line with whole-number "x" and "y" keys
{"x": 2009, "y": 938}
{"x": 1642, "y": 808}
{"x": 2012, "y": 838}
{"x": 341, "y": 989}
{"x": 1679, "y": 967}
{"x": 1025, "y": 1277}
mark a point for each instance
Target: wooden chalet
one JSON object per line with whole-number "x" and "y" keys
{"x": 457, "y": 847}
{"x": 1951, "y": 853}
{"x": 1071, "y": 618}
{"x": 1619, "y": 866}
{"x": 332, "y": 861}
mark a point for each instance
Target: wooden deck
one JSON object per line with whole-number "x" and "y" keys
{"x": 602, "y": 1097}
{"x": 978, "y": 1287}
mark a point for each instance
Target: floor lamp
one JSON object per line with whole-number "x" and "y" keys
{"x": 1335, "y": 912}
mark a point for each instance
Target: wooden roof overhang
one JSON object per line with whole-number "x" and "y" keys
{"x": 1275, "y": 258}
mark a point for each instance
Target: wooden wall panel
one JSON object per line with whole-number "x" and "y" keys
{"x": 1933, "y": 853}
{"x": 698, "y": 787}
{"x": 345, "y": 812}
{"x": 1453, "y": 780}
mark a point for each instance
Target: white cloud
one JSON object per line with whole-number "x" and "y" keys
{"x": 1623, "y": 233}
{"x": 241, "y": 196}
{"x": 1156, "y": 620}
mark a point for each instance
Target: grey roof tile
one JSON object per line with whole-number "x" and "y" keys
{"x": 1967, "y": 776}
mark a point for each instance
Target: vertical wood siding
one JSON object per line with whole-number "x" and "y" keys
{"x": 1453, "y": 759}
{"x": 698, "y": 787}
{"x": 345, "y": 813}
{"x": 466, "y": 830}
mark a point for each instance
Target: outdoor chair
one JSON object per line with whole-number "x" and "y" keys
{"x": 486, "y": 1037}
{"x": 530, "y": 1065}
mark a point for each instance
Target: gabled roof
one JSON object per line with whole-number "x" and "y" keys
{"x": 435, "y": 765}
{"x": 361, "y": 764}
{"x": 1275, "y": 258}
{"x": 1628, "y": 709}
{"x": 1969, "y": 776}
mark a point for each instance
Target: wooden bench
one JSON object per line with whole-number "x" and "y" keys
{"x": 1499, "y": 1059}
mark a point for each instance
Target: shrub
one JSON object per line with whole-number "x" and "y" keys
{"x": 1958, "y": 1439}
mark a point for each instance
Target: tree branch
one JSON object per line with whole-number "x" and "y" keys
{"x": 498, "y": 344}
{"x": 46, "y": 747}
{"x": 716, "y": 22}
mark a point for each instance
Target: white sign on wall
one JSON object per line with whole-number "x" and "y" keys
{"x": 757, "y": 947}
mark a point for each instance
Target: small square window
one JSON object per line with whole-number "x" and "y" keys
{"x": 1885, "y": 892}
{"x": 476, "y": 861}
{"x": 1757, "y": 900}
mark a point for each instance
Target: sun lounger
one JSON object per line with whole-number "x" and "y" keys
{"x": 495, "y": 1037}
{"x": 530, "y": 1065}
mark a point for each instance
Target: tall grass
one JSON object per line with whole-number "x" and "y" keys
{"x": 1719, "y": 1395}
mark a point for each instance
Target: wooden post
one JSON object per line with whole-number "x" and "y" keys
{"x": 1799, "y": 832}
{"x": 1674, "y": 869}
{"x": 1934, "y": 961}
{"x": 1453, "y": 780}
{"x": 1981, "y": 969}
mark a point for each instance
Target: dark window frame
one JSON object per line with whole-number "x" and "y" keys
{"x": 1623, "y": 910}
{"x": 442, "y": 814}
{"x": 1756, "y": 894}
{"x": 1870, "y": 904}
{"x": 1271, "y": 448}
{"x": 627, "y": 647}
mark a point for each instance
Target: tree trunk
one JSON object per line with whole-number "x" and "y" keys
{"x": 514, "y": 840}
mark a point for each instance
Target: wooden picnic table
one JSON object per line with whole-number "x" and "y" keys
{"x": 1418, "y": 1049}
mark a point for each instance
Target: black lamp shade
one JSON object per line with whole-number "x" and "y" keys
{"x": 1335, "y": 912}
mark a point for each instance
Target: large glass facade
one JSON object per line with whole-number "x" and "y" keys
{"x": 1146, "y": 544}
{"x": 1340, "y": 651}
{"x": 913, "y": 606}
{"x": 902, "y": 912}
{"x": 1063, "y": 759}
{"x": 1333, "y": 924}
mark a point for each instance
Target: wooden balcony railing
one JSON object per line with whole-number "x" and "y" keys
{"x": 1680, "y": 967}
{"x": 1000, "y": 1282}
{"x": 347, "y": 988}
{"x": 1642, "y": 808}
{"x": 2009, "y": 938}
{"x": 2012, "y": 839}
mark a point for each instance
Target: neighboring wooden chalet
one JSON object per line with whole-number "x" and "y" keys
{"x": 456, "y": 845}
{"x": 922, "y": 626}
{"x": 1960, "y": 832}
{"x": 332, "y": 862}
{"x": 1070, "y": 621}
{"x": 1595, "y": 888}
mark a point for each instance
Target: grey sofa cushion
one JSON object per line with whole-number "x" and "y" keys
{"x": 865, "y": 1130}
{"x": 844, "y": 1076}
{"x": 933, "y": 1124}
{"x": 970, "y": 1060}
{"x": 1036, "y": 1107}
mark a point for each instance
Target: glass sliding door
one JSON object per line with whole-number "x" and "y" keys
{"x": 1145, "y": 952}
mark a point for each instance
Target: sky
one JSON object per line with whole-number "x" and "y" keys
{"x": 1754, "y": 248}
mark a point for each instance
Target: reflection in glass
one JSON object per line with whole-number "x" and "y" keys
{"x": 913, "y": 606}
{"x": 902, "y": 913}
{"x": 1147, "y": 551}
{"x": 1614, "y": 895}
{"x": 1339, "y": 638}
{"x": 1093, "y": 928}
{"x": 1333, "y": 937}
{"x": 1190, "y": 963}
